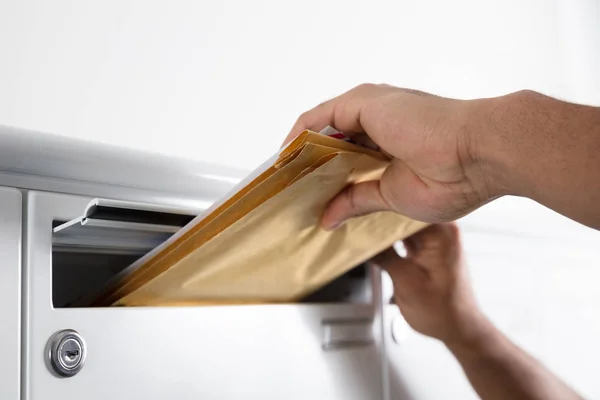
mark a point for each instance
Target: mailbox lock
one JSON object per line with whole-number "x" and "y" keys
{"x": 66, "y": 353}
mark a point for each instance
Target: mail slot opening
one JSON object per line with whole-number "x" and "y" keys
{"x": 89, "y": 251}
{"x": 76, "y": 274}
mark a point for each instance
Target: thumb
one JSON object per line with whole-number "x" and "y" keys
{"x": 358, "y": 199}
{"x": 389, "y": 259}
{"x": 403, "y": 271}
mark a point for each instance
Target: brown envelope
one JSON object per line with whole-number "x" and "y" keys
{"x": 264, "y": 243}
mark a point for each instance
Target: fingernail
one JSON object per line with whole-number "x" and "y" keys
{"x": 335, "y": 226}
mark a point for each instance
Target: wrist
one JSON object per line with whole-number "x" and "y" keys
{"x": 493, "y": 134}
{"x": 480, "y": 335}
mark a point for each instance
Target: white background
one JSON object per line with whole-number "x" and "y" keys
{"x": 223, "y": 81}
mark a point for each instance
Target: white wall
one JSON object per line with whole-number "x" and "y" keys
{"x": 223, "y": 81}
{"x": 212, "y": 80}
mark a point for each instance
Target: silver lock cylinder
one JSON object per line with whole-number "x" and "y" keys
{"x": 65, "y": 353}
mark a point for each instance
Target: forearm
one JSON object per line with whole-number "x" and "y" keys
{"x": 499, "y": 370}
{"x": 545, "y": 149}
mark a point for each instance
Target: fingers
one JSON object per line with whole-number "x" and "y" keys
{"x": 444, "y": 235}
{"x": 343, "y": 112}
{"x": 411, "y": 245}
{"x": 398, "y": 190}
{"x": 437, "y": 236}
{"x": 404, "y": 272}
{"x": 436, "y": 249}
{"x": 389, "y": 259}
{"x": 360, "y": 199}
{"x": 314, "y": 119}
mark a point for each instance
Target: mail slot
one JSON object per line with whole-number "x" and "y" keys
{"x": 89, "y": 251}
{"x": 326, "y": 345}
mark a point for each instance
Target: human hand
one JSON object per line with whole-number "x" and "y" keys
{"x": 432, "y": 288}
{"x": 435, "y": 174}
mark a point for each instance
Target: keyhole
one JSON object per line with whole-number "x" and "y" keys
{"x": 66, "y": 350}
{"x": 72, "y": 354}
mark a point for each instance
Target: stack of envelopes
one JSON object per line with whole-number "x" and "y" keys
{"x": 264, "y": 242}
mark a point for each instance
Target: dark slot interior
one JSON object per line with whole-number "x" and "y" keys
{"x": 84, "y": 271}
{"x": 77, "y": 274}
{"x": 140, "y": 216}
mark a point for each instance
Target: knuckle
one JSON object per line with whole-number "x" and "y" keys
{"x": 304, "y": 116}
{"x": 369, "y": 86}
{"x": 303, "y": 119}
{"x": 366, "y": 87}
{"x": 350, "y": 197}
{"x": 390, "y": 196}
{"x": 451, "y": 232}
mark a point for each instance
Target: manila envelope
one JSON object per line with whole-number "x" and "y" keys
{"x": 264, "y": 243}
